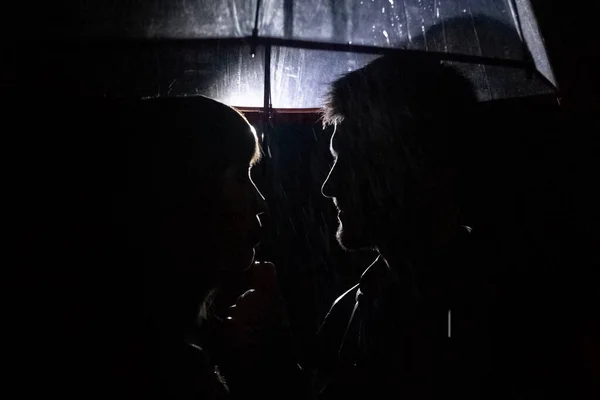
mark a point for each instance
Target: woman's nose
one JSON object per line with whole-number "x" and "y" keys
{"x": 260, "y": 203}
{"x": 259, "y": 200}
{"x": 262, "y": 220}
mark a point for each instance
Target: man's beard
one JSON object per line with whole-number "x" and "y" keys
{"x": 354, "y": 235}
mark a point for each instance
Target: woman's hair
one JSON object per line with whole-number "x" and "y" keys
{"x": 177, "y": 144}
{"x": 170, "y": 156}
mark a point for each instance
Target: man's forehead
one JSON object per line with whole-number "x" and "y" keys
{"x": 346, "y": 136}
{"x": 359, "y": 139}
{"x": 334, "y": 142}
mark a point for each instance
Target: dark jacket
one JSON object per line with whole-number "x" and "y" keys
{"x": 421, "y": 338}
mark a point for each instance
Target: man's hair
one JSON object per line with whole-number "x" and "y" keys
{"x": 418, "y": 101}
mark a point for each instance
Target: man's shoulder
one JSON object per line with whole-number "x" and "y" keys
{"x": 324, "y": 350}
{"x": 340, "y": 310}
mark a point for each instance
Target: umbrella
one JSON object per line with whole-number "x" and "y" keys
{"x": 284, "y": 53}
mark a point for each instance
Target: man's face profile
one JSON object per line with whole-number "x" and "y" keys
{"x": 360, "y": 186}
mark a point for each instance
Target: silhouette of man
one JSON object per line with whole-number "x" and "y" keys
{"x": 394, "y": 184}
{"x": 416, "y": 325}
{"x": 435, "y": 314}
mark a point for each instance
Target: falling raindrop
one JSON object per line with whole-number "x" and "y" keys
{"x": 383, "y": 10}
{"x": 387, "y": 39}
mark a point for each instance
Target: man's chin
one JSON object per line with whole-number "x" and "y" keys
{"x": 349, "y": 240}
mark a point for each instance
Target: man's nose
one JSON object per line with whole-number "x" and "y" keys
{"x": 326, "y": 188}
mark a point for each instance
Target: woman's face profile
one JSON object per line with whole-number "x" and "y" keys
{"x": 238, "y": 226}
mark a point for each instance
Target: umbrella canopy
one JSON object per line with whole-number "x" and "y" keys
{"x": 218, "y": 48}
